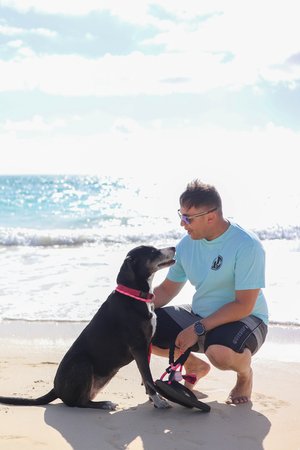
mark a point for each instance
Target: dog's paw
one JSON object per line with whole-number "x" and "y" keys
{"x": 109, "y": 406}
{"x": 160, "y": 402}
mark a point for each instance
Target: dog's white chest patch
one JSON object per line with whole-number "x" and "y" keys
{"x": 153, "y": 317}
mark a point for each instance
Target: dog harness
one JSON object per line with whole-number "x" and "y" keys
{"x": 135, "y": 293}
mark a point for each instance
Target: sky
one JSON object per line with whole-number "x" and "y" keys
{"x": 150, "y": 87}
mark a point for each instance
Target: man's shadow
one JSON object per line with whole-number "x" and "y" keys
{"x": 147, "y": 428}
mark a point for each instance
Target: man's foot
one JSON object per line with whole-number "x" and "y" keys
{"x": 197, "y": 367}
{"x": 241, "y": 392}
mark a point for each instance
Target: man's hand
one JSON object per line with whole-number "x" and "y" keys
{"x": 186, "y": 339}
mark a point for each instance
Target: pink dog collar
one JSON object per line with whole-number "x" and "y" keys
{"x": 135, "y": 293}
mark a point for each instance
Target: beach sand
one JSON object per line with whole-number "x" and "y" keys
{"x": 31, "y": 352}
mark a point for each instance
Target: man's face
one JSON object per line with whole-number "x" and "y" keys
{"x": 196, "y": 220}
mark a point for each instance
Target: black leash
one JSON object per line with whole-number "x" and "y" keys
{"x": 175, "y": 365}
{"x": 175, "y": 391}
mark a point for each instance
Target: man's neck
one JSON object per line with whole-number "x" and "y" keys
{"x": 220, "y": 228}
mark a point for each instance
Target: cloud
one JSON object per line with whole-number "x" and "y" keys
{"x": 10, "y": 31}
{"x": 36, "y": 124}
{"x": 134, "y": 10}
{"x": 110, "y": 75}
{"x": 134, "y": 74}
{"x": 7, "y": 30}
{"x": 15, "y": 44}
{"x": 43, "y": 32}
{"x": 194, "y": 49}
{"x": 128, "y": 66}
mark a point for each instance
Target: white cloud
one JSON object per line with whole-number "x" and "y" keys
{"x": 10, "y": 31}
{"x": 257, "y": 34}
{"x": 79, "y": 7}
{"x": 194, "y": 57}
{"x": 134, "y": 11}
{"x": 133, "y": 74}
{"x": 24, "y": 52}
{"x": 15, "y": 44}
{"x": 36, "y": 124}
{"x": 43, "y": 32}
{"x": 7, "y": 30}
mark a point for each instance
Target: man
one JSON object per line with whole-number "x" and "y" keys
{"x": 228, "y": 317}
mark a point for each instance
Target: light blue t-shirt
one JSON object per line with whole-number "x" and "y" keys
{"x": 233, "y": 261}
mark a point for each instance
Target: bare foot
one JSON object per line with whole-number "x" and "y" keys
{"x": 241, "y": 392}
{"x": 199, "y": 368}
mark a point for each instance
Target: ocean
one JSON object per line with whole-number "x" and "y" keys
{"x": 63, "y": 239}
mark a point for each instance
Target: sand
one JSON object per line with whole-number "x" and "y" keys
{"x": 31, "y": 352}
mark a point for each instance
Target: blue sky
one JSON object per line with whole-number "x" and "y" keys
{"x": 93, "y": 86}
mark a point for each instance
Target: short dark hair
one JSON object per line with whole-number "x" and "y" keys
{"x": 198, "y": 194}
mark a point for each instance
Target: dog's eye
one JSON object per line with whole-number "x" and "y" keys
{"x": 155, "y": 254}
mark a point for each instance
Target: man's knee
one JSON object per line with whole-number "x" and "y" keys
{"x": 220, "y": 356}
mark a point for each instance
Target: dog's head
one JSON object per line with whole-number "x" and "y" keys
{"x": 142, "y": 262}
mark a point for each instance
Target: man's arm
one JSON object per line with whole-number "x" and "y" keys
{"x": 166, "y": 291}
{"x": 241, "y": 307}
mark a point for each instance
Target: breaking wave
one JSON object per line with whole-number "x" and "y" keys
{"x": 78, "y": 237}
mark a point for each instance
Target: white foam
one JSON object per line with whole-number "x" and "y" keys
{"x": 114, "y": 233}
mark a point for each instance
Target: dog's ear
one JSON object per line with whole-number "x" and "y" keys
{"x": 126, "y": 274}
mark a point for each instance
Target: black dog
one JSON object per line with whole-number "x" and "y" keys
{"x": 120, "y": 332}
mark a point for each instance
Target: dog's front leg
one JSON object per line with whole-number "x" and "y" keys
{"x": 141, "y": 360}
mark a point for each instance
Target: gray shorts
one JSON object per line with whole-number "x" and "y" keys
{"x": 248, "y": 333}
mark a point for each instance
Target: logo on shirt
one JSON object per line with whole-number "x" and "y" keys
{"x": 217, "y": 262}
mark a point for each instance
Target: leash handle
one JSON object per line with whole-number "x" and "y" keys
{"x": 172, "y": 370}
{"x": 182, "y": 358}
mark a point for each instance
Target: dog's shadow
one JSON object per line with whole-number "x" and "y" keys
{"x": 144, "y": 427}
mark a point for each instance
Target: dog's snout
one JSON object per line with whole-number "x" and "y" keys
{"x": 171, "y": 250}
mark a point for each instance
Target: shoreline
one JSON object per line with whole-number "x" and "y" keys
{"x": 282, "y": 342}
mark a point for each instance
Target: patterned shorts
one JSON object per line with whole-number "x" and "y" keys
{"x": 248, "y": 333}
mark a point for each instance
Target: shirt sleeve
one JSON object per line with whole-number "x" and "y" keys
{"x": 250, "y": 267}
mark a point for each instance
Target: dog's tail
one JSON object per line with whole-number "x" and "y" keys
{"x": 44, "y": 400}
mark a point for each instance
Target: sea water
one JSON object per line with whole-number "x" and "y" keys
{"x": 63, "y": 239}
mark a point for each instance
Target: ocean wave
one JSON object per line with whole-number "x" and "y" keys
{"x": 44, "y": 238}
{"x": 69, "y": 238}
{"x": 78, "y": 237}
{"x": 290, "y": 232}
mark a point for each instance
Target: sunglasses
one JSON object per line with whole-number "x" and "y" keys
{"x": 188, "y": 219}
